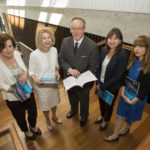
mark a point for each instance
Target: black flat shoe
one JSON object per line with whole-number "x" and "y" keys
{"x": 101, "y": 128}
{"x": 106, "y": 139}
{"x": 30, "y": 137}
{"x": 70, "y": 114}
{"x": 98, "y": 121}
{"x": 83, "y": 122}
{"x": 121, "y": 134}
{"x": 38, "y": 132}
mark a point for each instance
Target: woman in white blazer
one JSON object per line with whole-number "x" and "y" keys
{"x": 13, "y": 69}
{"x": 43, "y": 64}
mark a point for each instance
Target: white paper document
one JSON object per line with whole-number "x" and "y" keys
{"x": 85, "y": 77}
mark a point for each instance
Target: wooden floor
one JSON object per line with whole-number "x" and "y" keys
{"x": 70, "y": 136}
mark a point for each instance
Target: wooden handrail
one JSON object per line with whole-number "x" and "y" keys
{"x": 124, "y": 45}
{"x": 101, "y": 42}
{"x": 7, "y": 23}
{"x": 25, "y": 46}
{"x": 10, "y": 129}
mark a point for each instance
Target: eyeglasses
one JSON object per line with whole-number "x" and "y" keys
{"x": 77, "y": 29}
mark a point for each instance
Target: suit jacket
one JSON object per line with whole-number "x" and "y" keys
{"x": 114, "y": 71}
{"x": 86, "y": 57}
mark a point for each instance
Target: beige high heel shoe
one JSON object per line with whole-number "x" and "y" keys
{"x": 57, "y": 121}
{"x": 49, "y": 127}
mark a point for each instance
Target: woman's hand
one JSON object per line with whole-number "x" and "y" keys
{"x": 57, "y": 75}
{"x": 122, "y": 91}
{"x": 23, "y": 78}
{"x": 10, "y": 90}
{"x": 37, "y": 81}
{"x": 126, "y": 99}
{"x": 98, "y": 87}
{"x": 131, "y": 102}
{"x": 28, "y": 96}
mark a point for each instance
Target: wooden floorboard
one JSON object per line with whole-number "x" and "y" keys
{"x": 70, "y": 136}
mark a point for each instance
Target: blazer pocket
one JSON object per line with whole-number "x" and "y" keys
{"x": 83, "y": 56}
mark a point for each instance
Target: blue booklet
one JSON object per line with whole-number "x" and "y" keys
{"x": 27, "y": 89}
{"x": 108, "y": 97}
{"x": 131, "y": 88}
{"x": 49, "y": 80}
{"x": 20, "y": 90}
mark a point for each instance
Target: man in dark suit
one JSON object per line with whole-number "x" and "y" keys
{"x": 78, "y": 54}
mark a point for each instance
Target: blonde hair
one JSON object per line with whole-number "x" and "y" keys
{"x": 143, "y": 41}
{"x": 38, "y": 37}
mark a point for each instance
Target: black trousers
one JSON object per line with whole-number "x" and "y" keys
{"x": 18, "y": 109}
{"x": 106, "y": 109}
{"x": 78, "y": 94}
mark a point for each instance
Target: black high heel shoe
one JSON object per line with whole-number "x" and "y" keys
{"x": 98, "y": 121}
{"x": 101, "y": 128}
{"x": 106, "y": 139}
{"x": 38, "y": 132}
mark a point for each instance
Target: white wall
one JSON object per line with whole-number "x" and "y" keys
{"x": 140, "y": 6}
{"x": 99, "y": 22}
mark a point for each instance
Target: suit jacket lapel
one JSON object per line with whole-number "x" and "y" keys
{"x": 71, "y": 48}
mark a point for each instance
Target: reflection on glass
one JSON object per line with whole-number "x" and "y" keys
{"x": 61, "y": 4}
{"x": 12, "y": 20}
{"x": 16, "y": 12}
{"x": 21, "y": 23}
{"x": 15, "y": 2}
{"x": 9, "y": 138}
{"x": 45, "y": 3}
{"x": 22, "y": 13}
{"x": 43, "y": 16}
{"x": 16, "y": 21}
{"x": 55, "y": 18}
{"x": 10, "y": 11}
{"x": 2, "y": 24}
{"x": 6, "y": 142}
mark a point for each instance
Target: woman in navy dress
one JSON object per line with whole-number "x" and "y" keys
{"x": 138, "y": 69}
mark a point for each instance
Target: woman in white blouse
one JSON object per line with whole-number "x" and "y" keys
{"x": 13, "y": 69}
{"x": 43, "y": 63}
{"x": 112, "y": 64}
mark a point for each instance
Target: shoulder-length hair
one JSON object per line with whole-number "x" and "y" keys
{"x": 118, "y": 33}
{"x": 3, "y": 38}
{"x": 38, "y": 38}
{"x": 143, "y": 41}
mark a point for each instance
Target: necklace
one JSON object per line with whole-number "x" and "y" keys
{"x": 8, "y": 62}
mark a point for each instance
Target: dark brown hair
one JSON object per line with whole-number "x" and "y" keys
{"x": 118, "y": 33}
{"x": 143, "y": 41}
{"x": 3, "y": 38}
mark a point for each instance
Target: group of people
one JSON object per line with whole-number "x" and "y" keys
{"x": 78, "y": 54}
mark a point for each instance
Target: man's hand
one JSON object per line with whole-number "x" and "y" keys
{"x": 74, "y": 72}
